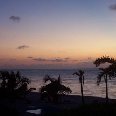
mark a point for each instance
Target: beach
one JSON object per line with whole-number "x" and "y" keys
{"x": 32, "y": 104}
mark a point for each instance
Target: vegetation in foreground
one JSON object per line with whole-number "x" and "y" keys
{"x": 53, "y": 89}
{"x": 102, "y": 109}
{"x": 6, "y": 111}
{"x": 13, "y": 84}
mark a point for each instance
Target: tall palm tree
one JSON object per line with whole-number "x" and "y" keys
{"x": 80, "y": 74}
{"x": 108, "y": 72}
{"x": 104, "y": 73}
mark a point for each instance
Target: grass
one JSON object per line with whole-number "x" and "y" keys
{"x": 4, "y": 111}
{"x": 90, "y": 110}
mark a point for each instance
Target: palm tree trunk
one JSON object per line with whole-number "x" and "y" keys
{"x": 82, "y": 93}
{"x": 106, "y": 80}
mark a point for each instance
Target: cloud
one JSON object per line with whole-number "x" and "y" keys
{"x": 61, "y": 60}
{"x": 112, "y": 7}
{"x": 67, "y": 58}
{"x": 15, "y": 18}
{"x": 58, "y": 60}
{"x": 76, "y": 60}
{"x": 30, "y": 57}
{"x": 40, "y": 59}
{"x": 12, "y": 59}
{"x": 54, "y": 59}
{"x": 22, "y": 47}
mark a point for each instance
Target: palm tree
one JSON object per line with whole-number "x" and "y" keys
{"x": 103, "y": 73}
{"x": 80, "y": 74}
{"x": 108, "y": 72}
{"x": 53, "y": 89}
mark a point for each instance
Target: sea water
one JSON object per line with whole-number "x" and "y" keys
{"x": 90, "y": 87}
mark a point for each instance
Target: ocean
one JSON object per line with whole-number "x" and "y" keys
{"x": 90, "y": 87}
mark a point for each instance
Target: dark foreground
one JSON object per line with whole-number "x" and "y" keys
{"x": 69, "y": 105}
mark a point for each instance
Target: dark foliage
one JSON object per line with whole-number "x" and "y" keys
{"x": 108, "y": 72}
{"x": 103, "y": 60}
{"x": 12, "y": 84}
{"x": 7, "y": 111}
{"x": 53, "y": 89}
{"x": 111, "y": 69}
{"x": 89, "y": 110}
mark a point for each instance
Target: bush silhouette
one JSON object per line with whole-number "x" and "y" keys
{"x": 53, "y": 89}
{"x": 13, "y": 84}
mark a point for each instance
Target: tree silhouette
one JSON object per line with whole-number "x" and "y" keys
{"x": 108, "y": 72}
{"x": 80, "y": 74}
{"x": 13, "y": 83}
{"x": 53, "y": 89}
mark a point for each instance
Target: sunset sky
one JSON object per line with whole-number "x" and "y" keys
{"x": 56, "y": 33}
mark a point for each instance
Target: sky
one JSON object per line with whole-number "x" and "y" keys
{"x": 56, "y": 33}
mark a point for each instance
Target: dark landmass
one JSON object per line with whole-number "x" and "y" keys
{"x": 70, "y": 105}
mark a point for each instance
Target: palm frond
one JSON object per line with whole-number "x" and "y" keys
{"x": 99, "y": 77}
{"x": 48, "y": 78}
{"x": 76, "y": 73}
{"x": 109, "y": 71}
{"x": 80, "y": 74}
{"x": 103, "y": 60}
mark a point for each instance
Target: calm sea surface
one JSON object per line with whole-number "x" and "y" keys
{"x": 90, "y": 87}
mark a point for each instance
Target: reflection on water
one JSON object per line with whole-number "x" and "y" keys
{"x": 37, "y": 111}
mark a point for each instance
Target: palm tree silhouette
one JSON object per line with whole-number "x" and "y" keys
{"x": 108, "y": 72}
{"x": 53, "y": 89}
{"x": 80, "y": 74}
